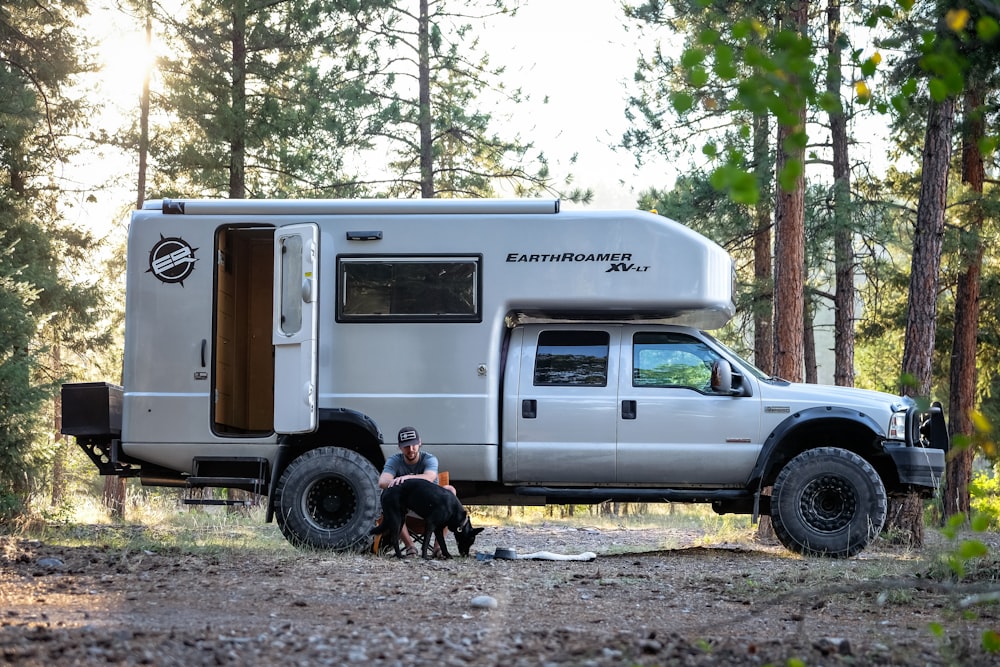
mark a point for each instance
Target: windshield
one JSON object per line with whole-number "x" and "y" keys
{"x": 750, "y": 368}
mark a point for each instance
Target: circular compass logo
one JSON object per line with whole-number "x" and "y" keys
{"x": 172, "y": 260}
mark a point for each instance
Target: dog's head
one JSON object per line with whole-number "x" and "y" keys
{"x": 465, "y": 536}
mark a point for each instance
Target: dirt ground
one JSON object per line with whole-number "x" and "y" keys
{"x": 650, "y": 597}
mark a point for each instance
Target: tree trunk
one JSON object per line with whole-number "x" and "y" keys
{"x": 843, "y": 235}
{"x": 114, "y": 496}
{"x": 789, "y": 261}
{"x": 962, "y": 393}
{"x": 904, "y": 525}
{"x": 424, "y": 121}
{"x": 140, "y": 190}
{"x": 809, "y": 344}
{"x": 921, "y": 312}
{"x": 59, "y": 460}
{"x": 789, "y": 254}
{"x": 763, "y": 339}
{"x": 237, "y": 141}
{"x": 905, "y": 520}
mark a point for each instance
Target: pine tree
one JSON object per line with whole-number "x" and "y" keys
{"x": 263, "y": 99}
{"x": 41, "y": 309}
{"x": 433, "y": 82}
{"x": 977, "y": 108}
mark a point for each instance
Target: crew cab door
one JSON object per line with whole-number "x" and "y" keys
{"x": 561, "y": 426}
{"x": 672, "y": 428}
{"x": 294, "y": 328}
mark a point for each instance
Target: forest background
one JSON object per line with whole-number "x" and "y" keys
{"x": 758, "y": 116}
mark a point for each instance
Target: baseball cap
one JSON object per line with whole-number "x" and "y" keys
{"x": 408, "y": 436}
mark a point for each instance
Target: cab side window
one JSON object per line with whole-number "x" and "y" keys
{"x": 671, "y": 360}
{"x": 572, "y": 358}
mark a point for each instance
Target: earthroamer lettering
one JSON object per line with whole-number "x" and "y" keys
{"x": 571, "y": 257}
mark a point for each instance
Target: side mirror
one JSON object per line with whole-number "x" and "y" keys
{"x": 722, "y": 377}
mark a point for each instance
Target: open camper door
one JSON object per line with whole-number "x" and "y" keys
{"x": 295, "y": 328}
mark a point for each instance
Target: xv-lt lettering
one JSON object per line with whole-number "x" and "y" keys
{"x": 622, "y": 266}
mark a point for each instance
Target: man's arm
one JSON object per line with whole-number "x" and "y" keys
{"x": 386, "y": 479}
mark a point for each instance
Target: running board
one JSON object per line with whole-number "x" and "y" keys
{"x": 628, "y": 495}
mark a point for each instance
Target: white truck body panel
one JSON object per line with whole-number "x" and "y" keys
{"x": 535, "y": 264}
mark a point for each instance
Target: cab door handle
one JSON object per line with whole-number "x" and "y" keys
{"x": 529, "y": 408}
{"x": 628, "y": 409}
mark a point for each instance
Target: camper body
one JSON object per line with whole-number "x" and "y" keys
{"x": 544, "y": 355}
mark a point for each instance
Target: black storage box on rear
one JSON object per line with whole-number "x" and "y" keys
{"x": 91, "y": 409}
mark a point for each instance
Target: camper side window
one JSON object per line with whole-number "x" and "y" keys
{"x": 421, "y": 289}
{"x": 572, "y": 358}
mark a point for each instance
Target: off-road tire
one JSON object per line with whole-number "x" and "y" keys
{"x": 828, "y": 502}
{"x": 328, "y": 498}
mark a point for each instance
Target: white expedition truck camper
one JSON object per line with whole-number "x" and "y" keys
{"x": 546, "y": 356}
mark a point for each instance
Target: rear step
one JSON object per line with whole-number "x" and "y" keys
{"x": 252, "y": 478}
{"x": 216, "y": 501}
{"x": 225, "y": 482}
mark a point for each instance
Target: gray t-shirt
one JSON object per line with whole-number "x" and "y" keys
{"x": 397, "y": 466}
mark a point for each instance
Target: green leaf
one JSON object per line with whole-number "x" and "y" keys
{"x": 987, "y": 146}
{"x": 829, "y": 102}
{"x": 938, "y": 89}
{"x": 708, "y": 37}
{"x": 972, "y": 549}
{"x": 980, "y": 522}
{"x": 698, "y": 76}
{"x": 936, "y": 629}
{"x": 987, "y": 28}
{"x": 790, "y": 173}
{"x": 682, "y": 102}
{"x": 785, "y": 40}
{"x": 955, "y": 521}
{"x": 956, "y": 565}
{"x": 720, "y": 179}
{"x": 711, "y": 150}
{"x": 745, "y": 189}
{"x": 961, "y": 441}
{"x": 868, "y": 68}
{"x": 797, "y": 140}
{"x": 692, "y": 57}
{"x": 991, "y": 641}
{"x": 724, "y": 66}
{"x": 909, "y": 87}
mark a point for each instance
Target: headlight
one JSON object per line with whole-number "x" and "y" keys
{"x": 897, "y": 426}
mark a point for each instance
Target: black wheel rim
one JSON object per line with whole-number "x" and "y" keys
{"x": 828, "y": 503}
{"x": 329, "y": 503}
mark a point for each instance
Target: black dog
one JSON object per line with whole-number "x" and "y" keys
{"x": 437, "y": 506}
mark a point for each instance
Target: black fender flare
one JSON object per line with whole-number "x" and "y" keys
{"x": 768, "y": 460}
{"x": 293, "y": 445}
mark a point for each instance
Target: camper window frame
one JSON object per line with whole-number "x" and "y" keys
{"x": 572, "y": 358}
{"x": 474, "y": 290}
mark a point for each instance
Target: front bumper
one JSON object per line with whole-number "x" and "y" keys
{"x": 920, "y": 469}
